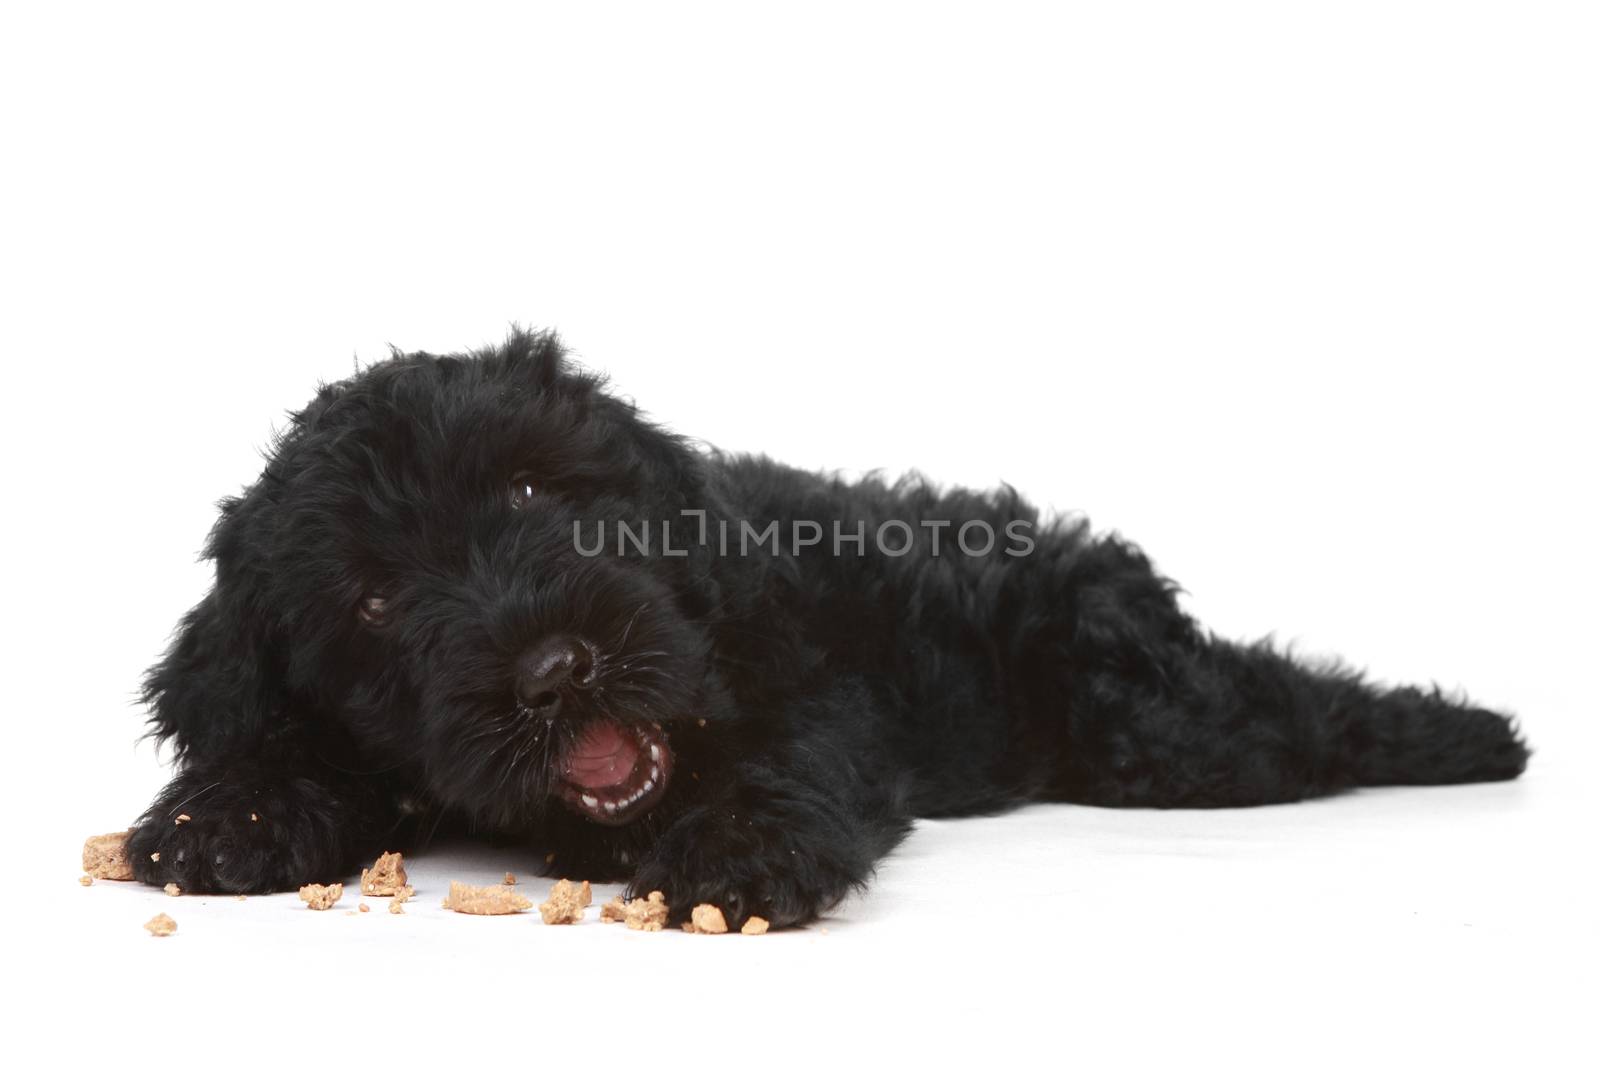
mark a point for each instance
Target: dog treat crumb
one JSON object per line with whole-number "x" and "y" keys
{"x": 754, "y": 925}
{"x": 549, "y": 857}
{"x": 510, "y": 878}
{"x": 485, "y": 900}
{"x": 155, "y": 857}
{"x": 171, "y": 889}
{"x": 86, "y": 880}
{"x": 386, "y": 876}
{"x": 162, "y": 925}
{"x": 404, "y": 893}
{"x": 363, "y": 907}
{"x": 183, "y": 817}
{"x": 566, "y": 903}
{"x": 613, "y": 911}
{"x": 707, "y": 919}
{"x": 395, "y": 908}
{"x": 320, "y": 897}
{"x": 106, "y": 856}
{"x": 241, "y": 896}
{"x": 254, "y": 817}
{"x": 646, "y": 913}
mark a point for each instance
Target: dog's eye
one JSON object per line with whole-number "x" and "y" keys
{"x": 373, "y": 611}
{"x": 521, "y": 490}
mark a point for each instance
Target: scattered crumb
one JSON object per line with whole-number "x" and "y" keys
{"x": 162, "y": 925}
{"x": 395, "y": 908}
{"x": 106, "y": 856}
{"x": 754, "y": 925}
{"x": 182, "y": 818}
{"x": 646, "y": 913}
{"x": 320, "y": 897}
{"x": 254, "y": 817}
{"x": 549, "y": 857}
{"x": 86, "y": 880}
{"x": 388, "y": 874}
{"x": 707, "y": 919}
{"x": 171, "y": 889}
{"x": 566, "y": 903}
{"x": 510, "y": 878}
{"x": 403, "y": 894}
{"x": 702, "y": 722}
{"x": 613, "y": 911}
{"x": 363, "y": 907}
{"x": 241, "y": 896}
{"x": 155, "y": 857}
{"x": 485, "y": 900}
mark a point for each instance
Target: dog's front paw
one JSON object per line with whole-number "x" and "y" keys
{"x": 238, "y": 836}
{"x": 745, "y": 864}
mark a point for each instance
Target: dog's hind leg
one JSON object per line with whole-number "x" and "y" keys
{"x": 1156, "y": 713}
{"x": 1212, "y": 723}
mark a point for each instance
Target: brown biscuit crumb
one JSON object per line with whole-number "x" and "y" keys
{"x": 395, "y": 908}
{"x": 183, "y": 817}
{"x": 707, "y": 919}
{"x": 403, "y": 894}
{"x": 646, "y": 913}
{"x": 363, "y": 907}
{"x": 387, "y": 875}
{"x": 754, "y": 925}
{"x": 162, "y": 925}
{"x": 613, "y": 910}
{"x": 241, "y": 896}
{"x": 485, "y": 900}
{"x": 106, "y": 856}
{"x": 171, "y": 889}
{"x": 155, "y": 857}
{"x": 320, "y": 897}
{"x": 566, "y": 903}
{"x": 510, "y": 879}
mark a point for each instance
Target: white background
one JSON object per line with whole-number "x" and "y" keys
{"x": 1300, "y": 296}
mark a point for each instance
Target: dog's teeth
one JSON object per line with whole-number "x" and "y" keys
{"x": 655, "y": 753}
{"x": 590, "y": 802}
{"x": 655, "y": 773}
{"x": 648, "y": 786}
{"x": 611, "y": 805}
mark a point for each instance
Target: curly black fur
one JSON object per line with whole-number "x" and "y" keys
{"x": 813, "y": 704}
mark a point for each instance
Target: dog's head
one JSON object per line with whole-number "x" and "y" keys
{"x": 407, "y": 571}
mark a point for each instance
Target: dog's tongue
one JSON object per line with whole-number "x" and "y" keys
{"x": 604, "y": 756}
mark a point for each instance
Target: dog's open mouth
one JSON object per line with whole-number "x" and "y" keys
{"x": 614, "y": 772}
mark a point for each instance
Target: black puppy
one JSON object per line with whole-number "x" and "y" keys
{"x": 482, "y": 588}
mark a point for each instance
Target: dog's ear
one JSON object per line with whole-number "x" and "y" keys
{"x": 219, "y": 688}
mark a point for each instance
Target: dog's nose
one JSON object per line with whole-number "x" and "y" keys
{"x": 548, "y": 668}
